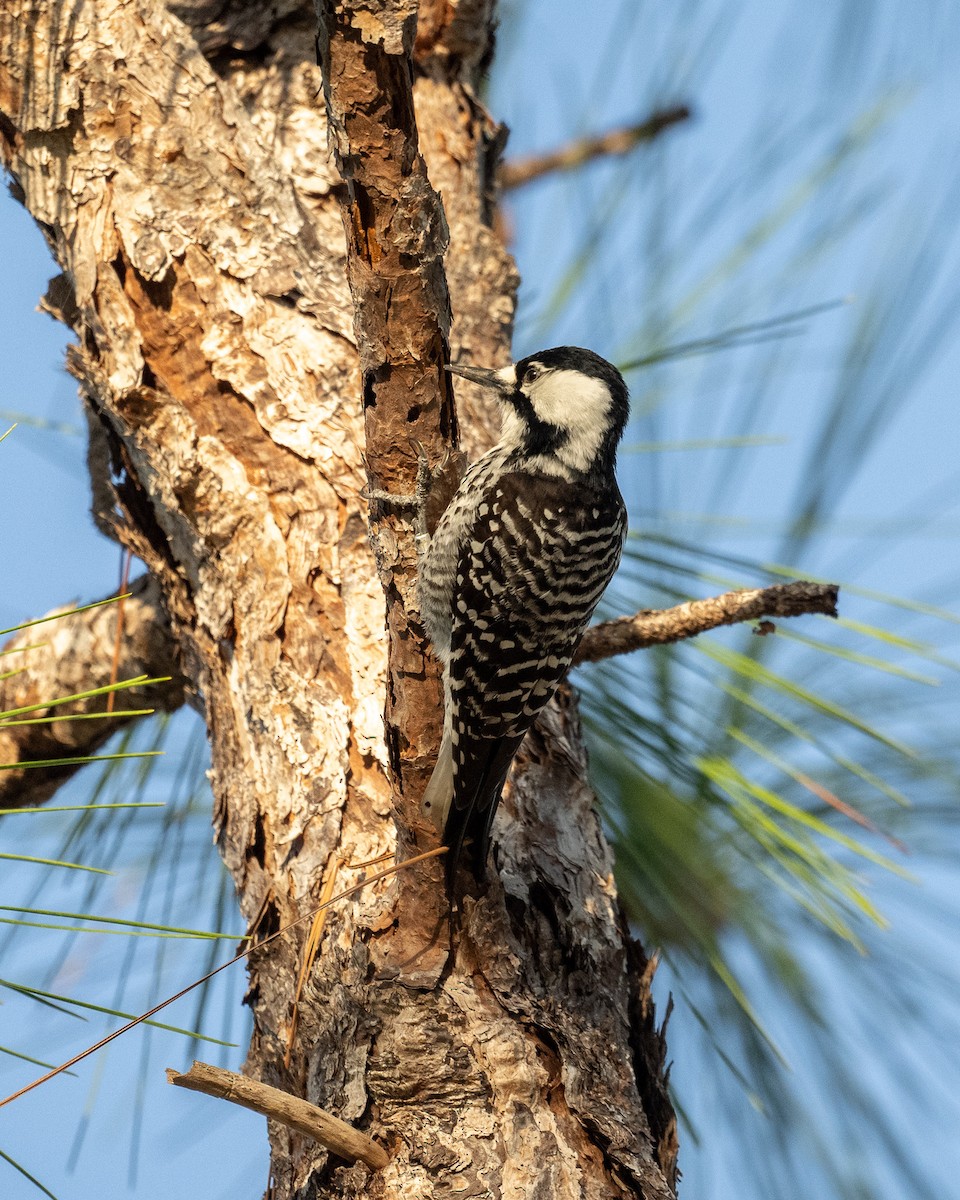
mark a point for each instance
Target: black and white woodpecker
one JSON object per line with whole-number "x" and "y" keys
{"x": 513, "y": 572}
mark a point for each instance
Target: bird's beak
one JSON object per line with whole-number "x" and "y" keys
{"x": 502, "y": 380}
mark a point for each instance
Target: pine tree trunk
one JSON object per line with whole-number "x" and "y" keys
{"x": 178, "y": 163}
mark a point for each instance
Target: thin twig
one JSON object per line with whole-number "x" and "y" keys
{"x": 657, "y": 627}
{"x": 323, "y": 1127}
{"x": 583, "y": 150}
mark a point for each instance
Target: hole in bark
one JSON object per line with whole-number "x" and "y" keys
{"x": 369, "y": 391}
{"x": 160, "y": 291}
{"x": 259, "y": 845}
{"x": 414, "y": 413}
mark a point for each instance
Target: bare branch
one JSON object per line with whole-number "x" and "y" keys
{"x": 329, "y": 1131}
{"x": 653, "y": 627}
{"x": 574, "y": 154}
{"x": 74, "y": 654}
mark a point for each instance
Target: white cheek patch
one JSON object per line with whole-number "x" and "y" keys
{"x": 575, "y": 403}
{"x": 508, "y": 374}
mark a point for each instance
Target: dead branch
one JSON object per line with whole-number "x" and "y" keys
{"x": 70, "y": 655}
{"x": 521, "y": 171}
{"x": 339, "y": 1137}
{"x": 653, "y": 627}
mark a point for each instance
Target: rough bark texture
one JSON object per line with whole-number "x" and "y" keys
{"x": 73, "y": 654}
{"x": 177, "y": 162}
{"x": 396, "y": 235}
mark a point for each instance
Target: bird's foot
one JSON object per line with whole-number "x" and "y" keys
{"x": 415, "y": 501}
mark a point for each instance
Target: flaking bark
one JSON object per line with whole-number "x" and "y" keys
{"x": 182, "y": 178}
{"x": 396, "y": 235}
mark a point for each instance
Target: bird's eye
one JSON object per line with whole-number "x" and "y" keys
{"x": 534, "y": 371}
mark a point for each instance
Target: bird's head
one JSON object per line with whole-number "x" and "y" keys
{"x": 565, "y": 408}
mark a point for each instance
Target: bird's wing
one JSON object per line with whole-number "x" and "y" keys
{"x": 523, "y": 595}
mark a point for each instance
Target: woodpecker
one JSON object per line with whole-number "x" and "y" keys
{"x": 513, "y": 572}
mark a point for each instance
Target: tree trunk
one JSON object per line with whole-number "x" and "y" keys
{"x": 178, "y": 164}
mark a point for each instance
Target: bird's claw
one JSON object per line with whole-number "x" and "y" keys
{"x": 382, "y": 496}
